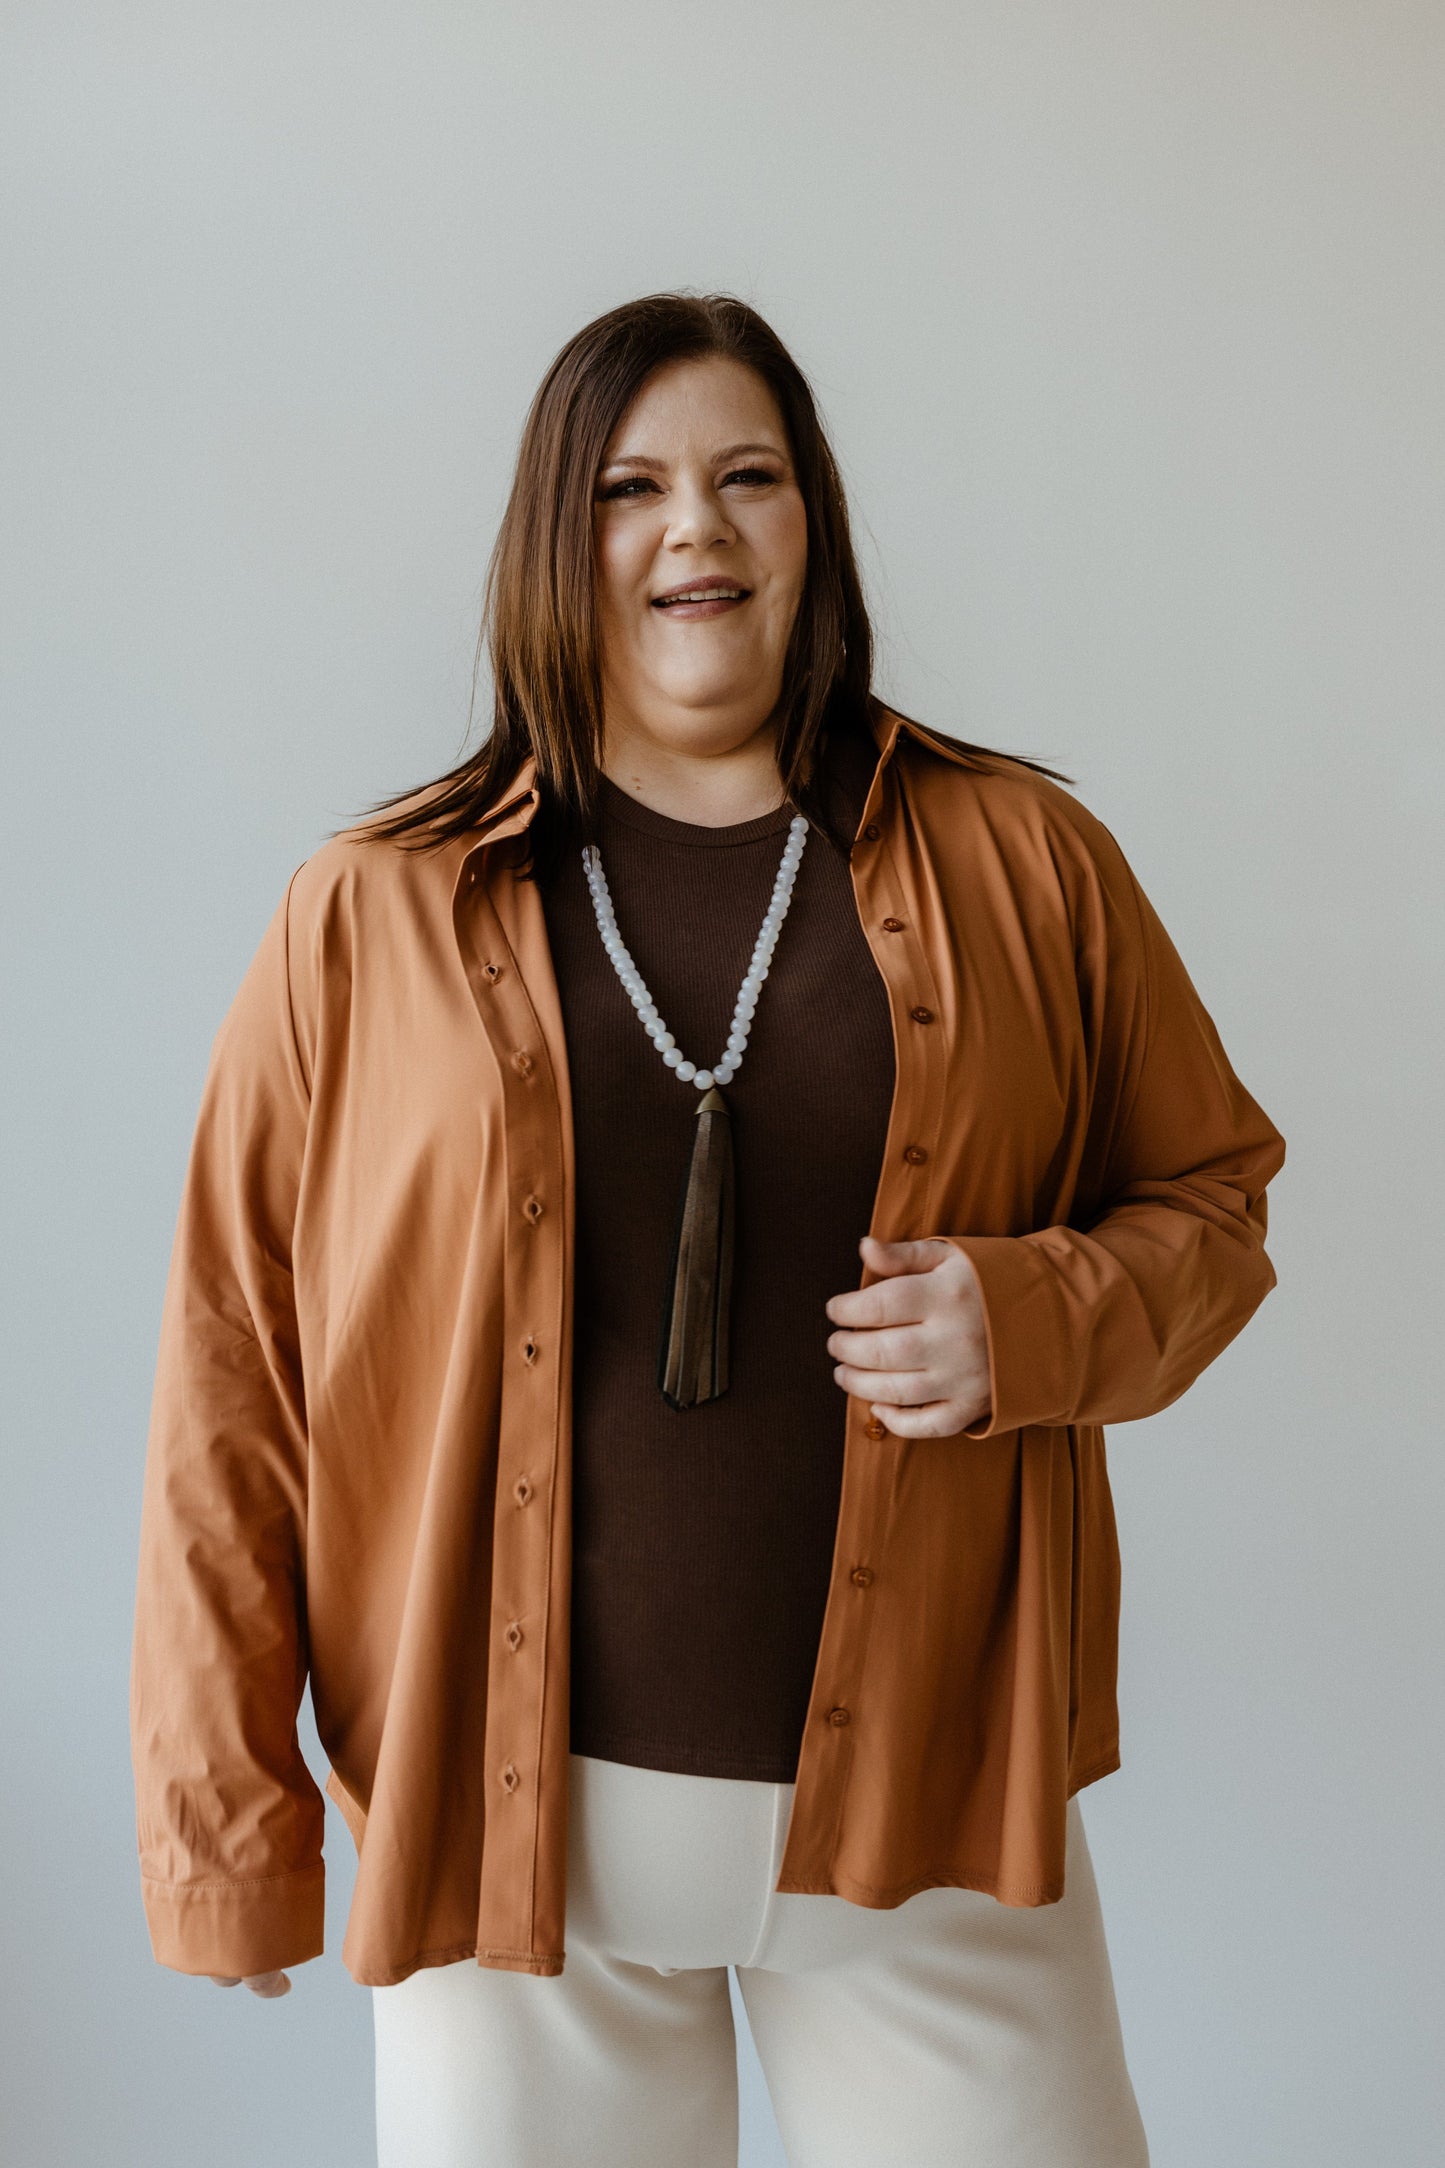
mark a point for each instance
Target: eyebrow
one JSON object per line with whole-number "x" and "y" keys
{"x": 729, "y": 451}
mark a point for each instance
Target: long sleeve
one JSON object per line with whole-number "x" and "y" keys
{"x": 1111, "y": 1321}
{"x": 229, "y": 1818}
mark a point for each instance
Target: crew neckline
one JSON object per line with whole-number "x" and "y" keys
{"x": 616, "y": 804}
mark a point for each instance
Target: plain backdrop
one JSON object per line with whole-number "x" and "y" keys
{"x": 1127, "y": 319}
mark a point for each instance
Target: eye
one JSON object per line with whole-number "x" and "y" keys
{"x": 751, "y": 475}
{"x": 633, "y": 484}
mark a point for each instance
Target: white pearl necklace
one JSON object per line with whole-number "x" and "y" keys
{"x": 722, "y": 1072}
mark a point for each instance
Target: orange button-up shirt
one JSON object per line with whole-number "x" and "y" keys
{"x": 358, "y": 1464}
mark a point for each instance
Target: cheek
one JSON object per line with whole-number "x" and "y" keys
{"x": 623, "y": 560}
{"x": 785, "y": 547}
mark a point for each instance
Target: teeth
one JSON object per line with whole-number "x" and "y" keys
{"x": 707, "y": 594}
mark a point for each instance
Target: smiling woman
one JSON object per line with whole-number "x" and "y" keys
{"x": 702, "y": 554}
{"x": 673, "y": 438}
{"x": 700, "y": 1561}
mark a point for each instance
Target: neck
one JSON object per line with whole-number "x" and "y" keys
{"x": 711, "y": 786}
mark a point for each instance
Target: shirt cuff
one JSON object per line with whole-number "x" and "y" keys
{"x": 237, "y": 1928}
{"x": 1008, "y": 1284}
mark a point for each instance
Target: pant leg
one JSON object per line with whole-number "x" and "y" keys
{"x": 608, "y": 2063}
{"x": 628, "y": 2057}
{"x": 951, "y": 2032}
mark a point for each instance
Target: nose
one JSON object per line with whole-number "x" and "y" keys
{"x": 697, "y": 519}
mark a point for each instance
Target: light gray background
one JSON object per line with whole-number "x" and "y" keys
{"x": 1128, "y": 321}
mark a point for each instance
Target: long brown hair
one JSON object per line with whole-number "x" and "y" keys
{"x": 539, "y": 616}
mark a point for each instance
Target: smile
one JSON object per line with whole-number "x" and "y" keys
{"x": 707, "y": 598}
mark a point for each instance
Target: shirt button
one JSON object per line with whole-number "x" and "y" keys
{"x": 873, "y": 1428}
{"x": 492, "y": 971}
{"x": 521, "y": 1490}
{"x": 915, "y": 1154}
{"x": 921, "y": 1015}
{"x": 522, "y": 1062}
{"x": 873, "y": 831}
{"x": 514, "y": 1635}
{"x": 510, "y": 1778}
{"x": 838, "y": 1716}
{"x": 893, "y": 925}
{"x": 533, "y": 1209}
{"x": 861, "y": 1576}
{"x": 529, "y": 1349}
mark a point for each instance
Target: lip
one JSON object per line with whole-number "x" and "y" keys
{"x": 714, "y": 606}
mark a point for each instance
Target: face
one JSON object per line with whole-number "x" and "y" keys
{"x": 701, "y": 549}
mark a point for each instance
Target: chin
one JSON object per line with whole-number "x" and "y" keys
{"x": 708, "y": 693}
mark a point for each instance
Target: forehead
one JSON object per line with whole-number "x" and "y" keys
{"x": 695, "y": 405}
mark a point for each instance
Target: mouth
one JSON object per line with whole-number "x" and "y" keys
{"x": 702, "y": 598}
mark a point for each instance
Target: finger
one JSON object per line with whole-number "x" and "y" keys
{"x": 885, "y": 1347}
{"x": 268, "y": 1984}
{"x": 903, "y": 1388}
{"x": 918, "y": 1255}
{"x": 223, "y": 1979}
{"x": 933, "y": 1419}
{"x": 904, "y": 1300}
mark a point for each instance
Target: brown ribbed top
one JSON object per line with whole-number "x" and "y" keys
{"x": 703, "y": 1538}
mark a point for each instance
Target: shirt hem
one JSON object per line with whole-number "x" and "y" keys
{"x": 875, "y": 1898}
{"x": 1103, "y": 1766}
{"x": 545, "y": 1963}
{"x": 887, "y": 1896}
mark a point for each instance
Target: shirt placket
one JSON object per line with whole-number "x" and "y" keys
{"x": 523, "y": 1662}
{"x": 864, "y": 1567}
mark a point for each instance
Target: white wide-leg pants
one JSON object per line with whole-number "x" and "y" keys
{"x": 951, "y": 2032}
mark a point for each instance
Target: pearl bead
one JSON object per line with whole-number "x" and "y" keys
{"x": 635, "y": 985}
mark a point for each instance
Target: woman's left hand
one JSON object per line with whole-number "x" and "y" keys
{"x": 913, "y": 1343}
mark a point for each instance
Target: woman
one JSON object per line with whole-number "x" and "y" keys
{"x": 673, "y": 1204}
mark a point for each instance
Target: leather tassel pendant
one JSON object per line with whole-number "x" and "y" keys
{"x": 692, "y": 1362}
